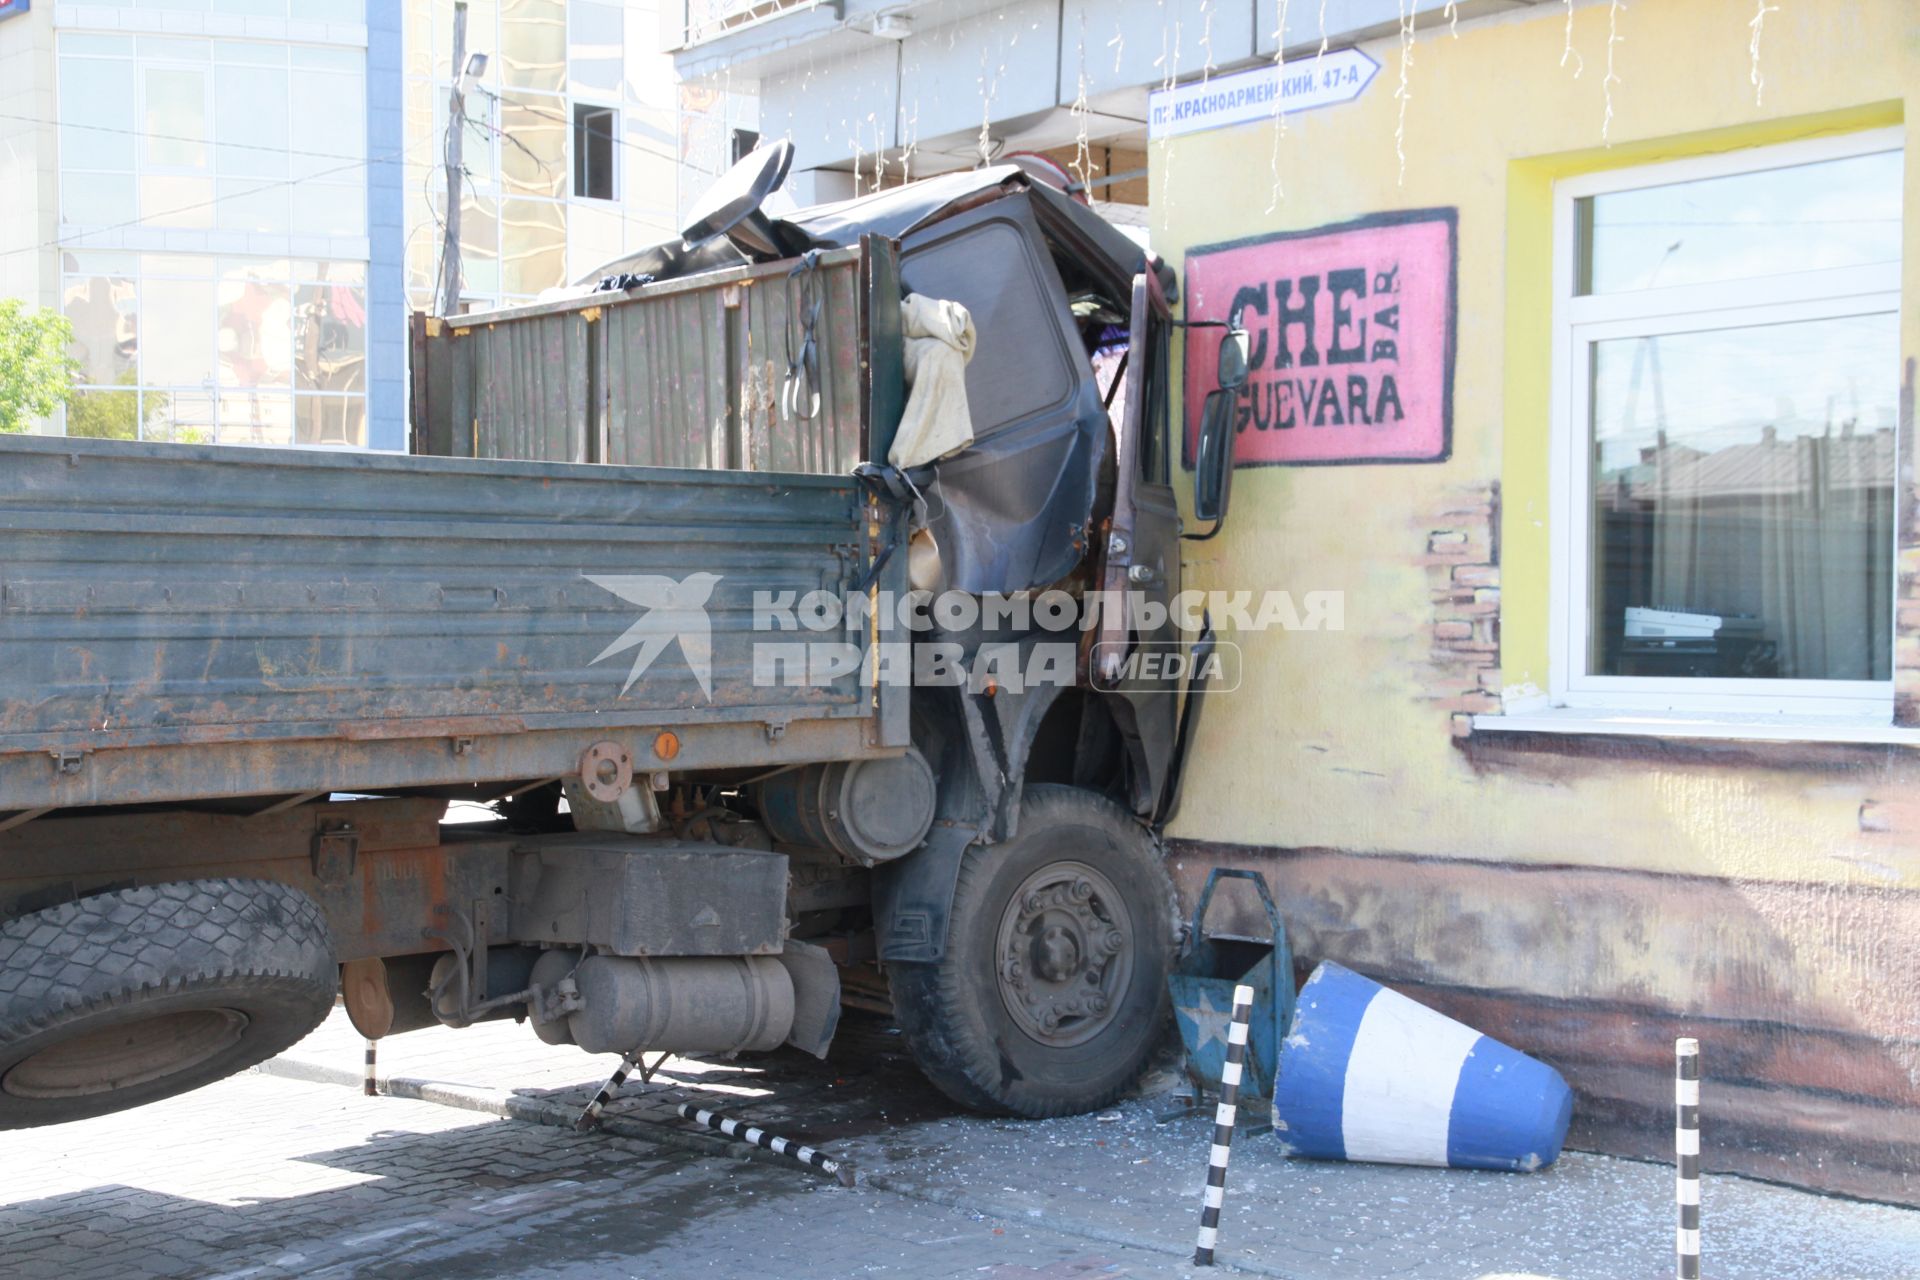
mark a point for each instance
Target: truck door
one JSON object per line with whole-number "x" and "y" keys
{"x": 1139, "y": 647}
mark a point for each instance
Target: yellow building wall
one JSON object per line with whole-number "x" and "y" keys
{"x": 1777, "y": 884}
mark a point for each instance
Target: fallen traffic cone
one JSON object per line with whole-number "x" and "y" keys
{"x": 1367, "y": 1074}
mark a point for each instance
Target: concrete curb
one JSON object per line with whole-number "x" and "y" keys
{"x": 559, "y": 1115}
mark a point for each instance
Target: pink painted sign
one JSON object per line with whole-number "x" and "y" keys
{"x": 1352, "y": 331}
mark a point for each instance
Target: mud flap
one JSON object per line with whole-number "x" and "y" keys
{"x": 913, "y": 896}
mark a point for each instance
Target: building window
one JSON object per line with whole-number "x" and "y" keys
{"x": 206, "y": 350}
{"x": 230, "y": 138}
{"x": 1726, "y": 394}
{"x": 594, "y": 131}
{"x": 744, "y": 141}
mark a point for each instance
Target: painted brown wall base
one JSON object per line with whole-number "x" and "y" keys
{"x": 1806, "y": 999}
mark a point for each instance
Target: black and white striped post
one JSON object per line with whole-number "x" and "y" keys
{"x": 841, "y": 1169}
{"x": 367, "y": 1084}
{"x": 1686, "y": 1143}
{"x": 590, "y": 1118}
{"x": 1223, "y": 1119}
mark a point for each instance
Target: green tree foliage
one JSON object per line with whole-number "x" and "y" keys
{"x": 113, "y": 415}
{"x": 36, "y": 373}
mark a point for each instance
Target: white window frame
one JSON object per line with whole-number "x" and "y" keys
{"x": 1579, "y": 321}
{"x": 616, "y": 143}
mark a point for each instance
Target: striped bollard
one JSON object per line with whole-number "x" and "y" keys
{"x": 1223, "y": 1118}
{"x": 841, "y": 1169}
{"x": 1686, "y": 1142}
{"x": 591, "y": 1116}
{"x": 367, "y": 1085}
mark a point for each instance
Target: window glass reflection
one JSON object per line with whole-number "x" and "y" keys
{"x": 175, "y": 117}
{"x": 251, "y": 129}
{"x": 171, "y": 49}
{"x": 533, "y": 44}
{"x": 102, "y": 310}
{"x": 328, "y": 121}
{"x": 533, "y": 245}
{"x": 253, "y": 204}
{"x": 330, "y": 337}
{"x": 189, "y": 347}
{"x": 255, "y": 417}
{"x": 169, "y": 201}
{"x": 596, "y": 46}
{"x": 305, "y": 269}
{"x": 479, "y": 246}
{"x": 97, "y": 199}
{"x": 328, "y": 209}
{"x": 261, "y": 53}
{"x": 1743, "y": 501}
{"x": 108, "y": 415}
{"x": 180, "y": 415}
{"x": 533, "y": 152}
{"x": 1836, "y": 213}
{"x": 256, "y": 331}
{"x": 97, "y": 121}
{"x": 176, "y": 332}
{"x": 331, "y": 420}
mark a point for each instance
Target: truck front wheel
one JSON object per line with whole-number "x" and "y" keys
{"x": 128, "y": 997}
{"x": 1053, "y": 991}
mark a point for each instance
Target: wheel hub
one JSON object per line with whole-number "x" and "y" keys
{"x": 1063, "y": 954}
{"x": 1056, "y": 954}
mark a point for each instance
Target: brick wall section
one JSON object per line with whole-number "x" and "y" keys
{"x": 1462, "y": 561}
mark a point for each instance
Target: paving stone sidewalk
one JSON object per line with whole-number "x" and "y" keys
{"x": 272, "y": 1176}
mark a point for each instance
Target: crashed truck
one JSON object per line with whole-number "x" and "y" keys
{"x": 242, "y": 689}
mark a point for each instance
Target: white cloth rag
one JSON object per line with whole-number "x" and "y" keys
{"x": 939, "y": 341}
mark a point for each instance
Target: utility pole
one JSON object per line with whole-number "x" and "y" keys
{"x": 456, "y": 130}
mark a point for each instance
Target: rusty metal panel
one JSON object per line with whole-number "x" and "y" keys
{"x": 769, "y": 332}
{"x": 529, "y": 387}
{"x": 686, "y": 373}
{"x": 665, "y": 401}
{"x": 169, "y": 595}
{"x": 279, "y": 766}
{"x": 399, "y": 877}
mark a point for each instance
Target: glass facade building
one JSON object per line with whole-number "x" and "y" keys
{"x": 236, "y": 202}
{"x": 569, "y": 143}
{"x": 220, "y": 191}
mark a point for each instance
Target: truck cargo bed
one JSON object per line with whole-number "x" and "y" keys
{"x": 186, "y": 622}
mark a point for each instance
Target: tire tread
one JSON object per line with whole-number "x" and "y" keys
{"x": 131, "y": 946}
{"x": 931, "y": 1000}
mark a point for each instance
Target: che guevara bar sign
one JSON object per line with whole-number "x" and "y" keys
{"x": 1352, "y": 339}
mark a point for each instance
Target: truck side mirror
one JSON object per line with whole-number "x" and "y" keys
{"x": 1233, "y": 360}
{"x": 1213, "y": 459}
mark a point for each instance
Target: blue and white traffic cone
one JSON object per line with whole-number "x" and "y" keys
{"x": 1367, "y": 1074}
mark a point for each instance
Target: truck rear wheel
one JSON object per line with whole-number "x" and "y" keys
{"x": 1053, "y": 993}
{"x": 124, "y": 998}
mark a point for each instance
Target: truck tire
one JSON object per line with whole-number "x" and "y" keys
{"x": 124, "y": 998}
{"x": 1052, "y": 995}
